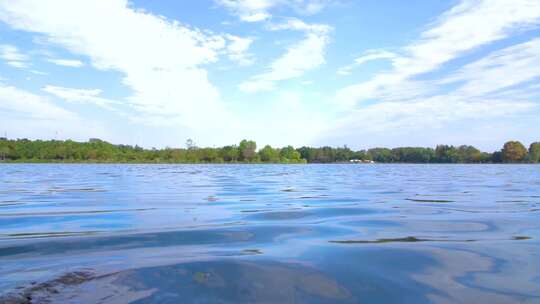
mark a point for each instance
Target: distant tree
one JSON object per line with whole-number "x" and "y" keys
{"x": 4, "y": 151}
{"x": 362, "y": 154}
{"x": 205, "y": 155}
{"x": 190, "y": 144}
{"x": 247, "y": 150}
{"x": 96, "y": 150}
{"x": 469, "y": 154}
{"x": 413, "y": 155}
{"x": 382, "y": 155}
{"x": 513, "y": 151}
{"x": 307, "y": 153}
{"x": 486, "y": 157}
{"x": 534, "y": 152}
{"x": 325, "y": 155}
{"x": 269, "y": 154}
{"x": 289, "y": 154}
{"x": 230, "y": 153}
{"x": 496, "y": 157}
{"x": 447, "y": 154}
{"x": 343, "y": 154}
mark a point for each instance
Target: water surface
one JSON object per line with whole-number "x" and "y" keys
{"x": 270, "y": 233}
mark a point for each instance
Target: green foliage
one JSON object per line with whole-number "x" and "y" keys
{"x": 99, "y": 151}
{"x": 413, "y": 154}
{"x": 382, "y": 155}
{"x": 447, "y": 154}
{"x": 534, "y": 152}
{"x": 289, "y": 155}
{"x": 230, "y": 154}
{"x": 248, "y": 150}
{"x": 269, "y": 154}
{"x": 513, "y": 151}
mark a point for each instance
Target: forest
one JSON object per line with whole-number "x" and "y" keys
{"x": 99, "y": 151}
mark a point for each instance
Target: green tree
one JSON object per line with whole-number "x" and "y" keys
{"x": 413, "y": 155}
{"x": 289, "y": 154}
{"x": 447, "y": 154}
{"x": 534, "y": 152}
{"x": 382, "y": 155}
{"x": 4, "y": 151}
{"x": 307, "y": 153}
{"x": 513, "y": 151}
{"x": 269, "y": 154}
{"x": 230, "y": 153}
{"x": 190, "y": 144}
{"x": 247, "y": 150}
{"x": 470, "y": 154}
{"x": 97, "y": 150}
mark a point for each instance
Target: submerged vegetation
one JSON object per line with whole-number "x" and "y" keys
{"x": 99, "y": 151}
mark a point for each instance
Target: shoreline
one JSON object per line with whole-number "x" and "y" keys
{"x": 239, "y": 163}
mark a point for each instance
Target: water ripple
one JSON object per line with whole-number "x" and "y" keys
{"x": 269, "y": 233}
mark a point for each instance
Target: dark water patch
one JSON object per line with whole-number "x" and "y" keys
{"x": 412, "y": 239}
{"x": 408, "y": 239}
{"x": 223, "y": 281}
{"x": 312, "y": 212}
{"x": 78, "y": 212}
{"x": 212, "y": 198}
{"x": 368, "y": 223}
{"x": 255, "y": 210}
{"x": 46, "y": 234}
{"x": 429, "y": 200}
{"x": 320, "y": 196}
{"x": 222, "y": 237}
{"x": 12, "y": 203}
{"x": 492, "y": 210}
{"x": 58, "y": 189}
{"x": 280, "y": 215}
{"x": 44, "y": 292}
{"x": 521, "y": 237}
{"x": 253, "y": 251}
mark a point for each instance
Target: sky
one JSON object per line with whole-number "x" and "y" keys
{"x": 281, "y": 72}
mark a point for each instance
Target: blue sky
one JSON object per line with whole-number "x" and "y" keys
{"x": 300, "y": 72}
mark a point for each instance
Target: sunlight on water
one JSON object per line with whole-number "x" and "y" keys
{"x": 270, "y": 233}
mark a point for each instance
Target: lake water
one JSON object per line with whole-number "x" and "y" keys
{"x": 270, "y": 233}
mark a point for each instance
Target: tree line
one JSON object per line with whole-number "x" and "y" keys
{"x": 96, "y": 150}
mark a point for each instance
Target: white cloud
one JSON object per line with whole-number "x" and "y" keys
{"x": 434, "y": 121}
{"x": 162, "y": 61}
{"x": 493, "y": 86}
{"x": 310, "y": 7}
{"x": 431, "y": 112}
{"x": 67, "y": 62}
{"x": 249, "y": 10}
{"x": 498, "y": 70}
{"x": 23, "y": 104}
{"x": 28, "y": 115}
{"x": 259, "y": 10}
{"x": 368, "y": 56}
{"x": 403, "y": 104}
{"x": 12, "y": 56}
{"x": 88, "y": 96}
{"x": 301, "y": 57}
{"x": 36, "y": 72}
{"x": 238, "y": 48}
{"x": 449, "y": 37}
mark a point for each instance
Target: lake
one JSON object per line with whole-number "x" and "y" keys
{"x": 270, "y": 233}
